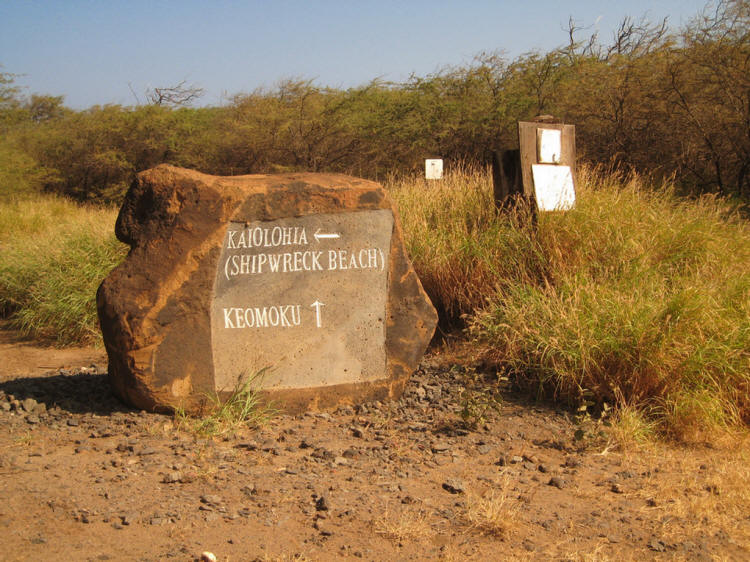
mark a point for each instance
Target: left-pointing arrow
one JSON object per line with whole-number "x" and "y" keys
{"x": 318, "y": 236}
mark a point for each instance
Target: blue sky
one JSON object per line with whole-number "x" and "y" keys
{"x": 95, "y": 52}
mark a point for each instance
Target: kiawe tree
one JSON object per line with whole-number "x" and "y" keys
{"x": 180, "y": 95}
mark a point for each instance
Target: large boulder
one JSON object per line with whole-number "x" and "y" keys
{"x": 299, "y": 281}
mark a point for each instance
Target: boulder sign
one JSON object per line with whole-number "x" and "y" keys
{"x": 298, "y": 281}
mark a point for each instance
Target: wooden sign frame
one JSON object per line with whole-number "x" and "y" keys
{"x": 527, "y": 142}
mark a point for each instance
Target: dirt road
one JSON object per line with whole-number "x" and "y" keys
{"x": 83, "y": 477}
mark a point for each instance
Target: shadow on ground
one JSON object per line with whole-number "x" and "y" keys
{"x": 80, "y": 391}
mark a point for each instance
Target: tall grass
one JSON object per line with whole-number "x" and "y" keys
{"x": 459, "y": 248}
{"x": 635, "y": 298}
{"x": 53, "y": 255}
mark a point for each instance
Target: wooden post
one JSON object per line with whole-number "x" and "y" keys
{"x": 506, "y": 177}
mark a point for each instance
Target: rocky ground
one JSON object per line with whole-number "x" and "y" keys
{"x": 82, "y": 477}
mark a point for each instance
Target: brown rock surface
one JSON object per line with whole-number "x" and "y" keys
{"x": 171, "y": 343}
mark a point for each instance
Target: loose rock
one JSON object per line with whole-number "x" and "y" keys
{"x": 454, "y": 486}
{"x": 557, "y": 482}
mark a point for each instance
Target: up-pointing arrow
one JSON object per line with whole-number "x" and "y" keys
{"x": 318, "y": 236}
{"x": 316, "y": 305}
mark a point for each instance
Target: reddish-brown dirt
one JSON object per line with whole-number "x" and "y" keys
{"x": 83, "y": 477}
{"x": 20, "y": 356}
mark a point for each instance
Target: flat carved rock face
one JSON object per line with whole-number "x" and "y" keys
{"x": 303, "y": 299}
{"x": 302, "y": 277}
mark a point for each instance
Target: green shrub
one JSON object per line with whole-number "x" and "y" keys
{"x": 20, "y": 175}
{"x": 244, "y": 407}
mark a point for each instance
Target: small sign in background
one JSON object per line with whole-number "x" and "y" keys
{"x": 433, "y": 168}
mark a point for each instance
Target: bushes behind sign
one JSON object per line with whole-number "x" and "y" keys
{"x": 635, "y": 298}
{"x": 659, "y": 100}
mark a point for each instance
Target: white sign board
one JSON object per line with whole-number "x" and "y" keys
{"x": 553, "y": 187}
{"x": 433, "y": 169}
{"x": 549, "y": 145}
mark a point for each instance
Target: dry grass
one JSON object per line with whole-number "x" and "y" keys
{"x": 630, "y": 429}
{"x": 700, "y": 490}
{"x": 597, "y": 554}
{"x": 689, "y": 493}
{"x": 492, "y": 513}
{"x": 406, "y": 524}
